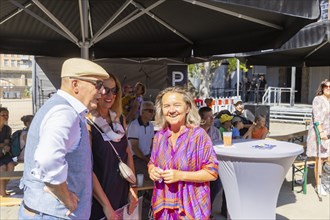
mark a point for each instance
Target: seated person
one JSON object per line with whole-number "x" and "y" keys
{"x": 226, "y": 123}
{"x": 217, "y": 116}
{"x": 140, "y": 134}
{"x": 237, "y": 126}
{"x": 6, "y": 161}
{"x": 26, "y": 119}
{"x": 207, "y": 123}
{"x": 246, "y": 116}
{"x": 258, "y": 130}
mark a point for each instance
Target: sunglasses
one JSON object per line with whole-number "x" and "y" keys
{"x": 326, "y": 86}
{"x": 97, "y": 83}
{"x": 110, "y": 91}
{"x": 149, "y": 110}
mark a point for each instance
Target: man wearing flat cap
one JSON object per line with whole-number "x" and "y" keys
{"x": 57, "y": 178}
{"x": 245, "y": 115}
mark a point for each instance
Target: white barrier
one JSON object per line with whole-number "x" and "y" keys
{"x": 219, "y": 103}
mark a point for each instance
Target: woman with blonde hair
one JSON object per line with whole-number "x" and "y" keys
{"x": 183, "y": 161}
{"x": 258, "y": 130}
{"x": 110, "y": 190}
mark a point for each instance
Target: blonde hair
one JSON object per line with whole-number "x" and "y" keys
{"x": 192, "y": 117}
{"x": 117, "y": 105}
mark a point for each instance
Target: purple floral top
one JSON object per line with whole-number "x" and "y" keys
{"x": 193, "y": 151}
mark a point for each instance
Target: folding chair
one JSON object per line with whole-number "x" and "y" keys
{"x": 300, "y": 166}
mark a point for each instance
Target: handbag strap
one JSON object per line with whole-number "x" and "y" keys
{"x": 97, "y": 128}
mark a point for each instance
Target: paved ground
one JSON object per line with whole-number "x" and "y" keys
{"x": 290, "y": 205}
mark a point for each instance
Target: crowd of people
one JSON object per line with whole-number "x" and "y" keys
{"x": 73, "y": 146}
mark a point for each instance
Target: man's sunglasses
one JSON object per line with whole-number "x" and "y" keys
{"x": 109, "y": 91}
{"x": 97, "y": 83}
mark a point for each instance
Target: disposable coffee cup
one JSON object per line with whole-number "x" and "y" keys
{"x": 227, "y": 138}
{"x": 140, "y": 178}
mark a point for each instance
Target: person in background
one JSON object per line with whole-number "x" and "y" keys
{"x": 6, "y": 161}
{"x": 207, "y": 124}
{"x": 262, "y": 87}
{"x": 140, "y": 134}
{"x": 257, "y": 130}
{"x": 244, "y": 114}
{"x": 253, "y": 89}
{"x": 226, "y": 124}
{"x": 57, "y": 177}
{"x": 182, "y": 161}
{"x": 139, "y": 91}
{"x": 26, "y": 119}
{"x": 209, "y": 102}
{"x": 127, "y": 99}
{"x": 321, "y": 115}
{"x": 217, "y": 117}
{"x": 237, "y": 126}
{"x": 110, "y": 190}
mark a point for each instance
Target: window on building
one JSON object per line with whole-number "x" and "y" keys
{"x": 6, "y": 62}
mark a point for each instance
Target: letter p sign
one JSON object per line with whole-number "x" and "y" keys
{"x": 177, "y": 78}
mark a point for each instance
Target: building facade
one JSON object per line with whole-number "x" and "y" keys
{"x": 15, "y": 75}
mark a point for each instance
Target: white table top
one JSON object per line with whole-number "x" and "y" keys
{"x": 243, "y": 148}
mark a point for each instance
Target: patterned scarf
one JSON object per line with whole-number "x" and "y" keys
{"x": 114, "y": 134}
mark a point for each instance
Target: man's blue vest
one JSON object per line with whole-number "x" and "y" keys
{"x": 79, "y": 178}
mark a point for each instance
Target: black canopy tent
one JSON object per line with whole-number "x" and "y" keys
{"x": 309, "y": 47}
{"x": 149, "y": 28}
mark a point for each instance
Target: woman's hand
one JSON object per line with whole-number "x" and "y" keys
{"x": 171, "y": 176}
{"x": 323, "y": 135}
{"x": 155, "y": 173}
{"x": 133, "y": 201}
{"x": 109, "y": 213}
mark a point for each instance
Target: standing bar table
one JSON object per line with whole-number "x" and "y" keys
{"x": 252, "y": 173}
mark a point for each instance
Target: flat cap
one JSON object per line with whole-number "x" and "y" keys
{"x": 78, "y": 67}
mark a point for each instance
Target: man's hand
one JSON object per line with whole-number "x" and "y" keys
{"x": 67, "y": 198}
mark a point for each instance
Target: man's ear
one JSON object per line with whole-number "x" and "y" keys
{"x": 75, "y": 86}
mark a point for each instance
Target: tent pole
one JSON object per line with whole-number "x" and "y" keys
{"x": 293, "y": 85}
{"x": 85, "y": 51}
{"x": 83, "y": 7}
{"x": 237, "y": 74}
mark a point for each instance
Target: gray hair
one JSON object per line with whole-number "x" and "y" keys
{"x": 145, "y": 104}
{"x": 192, "y": 117}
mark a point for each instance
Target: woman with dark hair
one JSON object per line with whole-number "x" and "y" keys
{"x": 183, "y": 161}
{"x": 6, "y": 161}
{"x": 321, "y": 115}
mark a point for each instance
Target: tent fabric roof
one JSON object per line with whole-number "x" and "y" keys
{"x": 149, "y": 28}
{"x": 309, "y": 47}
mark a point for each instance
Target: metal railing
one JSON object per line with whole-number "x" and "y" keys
{"x": 273, "y": 95}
